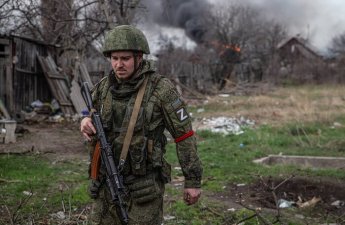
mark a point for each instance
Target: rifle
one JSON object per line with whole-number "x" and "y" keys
{"x": 113, "y": 178}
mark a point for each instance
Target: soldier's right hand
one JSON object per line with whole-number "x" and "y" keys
{"x": 87, "y": 128}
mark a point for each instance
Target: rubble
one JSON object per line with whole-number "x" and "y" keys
{"x": 225, "y": 125}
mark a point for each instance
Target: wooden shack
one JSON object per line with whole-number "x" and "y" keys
{"x": 299, "y": 61}
{"x": 28, "y": 72}
{"x": 296, "y": 49}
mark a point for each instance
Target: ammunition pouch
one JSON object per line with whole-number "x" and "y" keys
{"x": 144, "y": 189}
{"x": 155, "y": 151}
{"x": 138, "y": 156}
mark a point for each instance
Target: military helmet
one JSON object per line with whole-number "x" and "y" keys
{"x": 125, "y": 38}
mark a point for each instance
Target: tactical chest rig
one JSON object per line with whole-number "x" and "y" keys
{"x": 143, "y": 141}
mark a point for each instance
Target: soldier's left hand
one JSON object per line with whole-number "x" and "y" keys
{"x": 191, "y": 195}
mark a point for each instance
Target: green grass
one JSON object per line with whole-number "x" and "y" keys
{"x": 228, "y": 159}
{"x": 50, "y": 185}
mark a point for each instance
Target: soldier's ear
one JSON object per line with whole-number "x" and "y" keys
{"x": 139, "y": 56}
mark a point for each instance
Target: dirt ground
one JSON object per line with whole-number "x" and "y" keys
{"x": 56, "y": 140}
{"x": 63, "y": 141}
{"x": 325, "y": 197}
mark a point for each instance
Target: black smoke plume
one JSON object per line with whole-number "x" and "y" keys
{"x": 190, "y": 15}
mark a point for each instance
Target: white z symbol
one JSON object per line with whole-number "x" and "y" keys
{"x": 182, "y": 114}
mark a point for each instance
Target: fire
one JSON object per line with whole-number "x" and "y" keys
{"x": 233, "y": 47}
{"x": 225, "y": 47}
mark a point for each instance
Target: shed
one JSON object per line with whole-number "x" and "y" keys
{"x": 22, "y": 76}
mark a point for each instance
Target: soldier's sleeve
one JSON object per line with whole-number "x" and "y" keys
{"x": 178, "y": 123}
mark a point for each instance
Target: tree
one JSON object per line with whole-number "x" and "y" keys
{"x": 5, "y": 13}
{"x": 242, "y": 29}
{"x": 72, "y": 24}
{"x": 338, "y": 45}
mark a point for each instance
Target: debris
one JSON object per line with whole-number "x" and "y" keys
{"x": 59, "y": 215}
{"x": 282, "y": 203}
{"x": 225, "y": 125}
{"x": 200, "y": 110}
{"x": 36, "y": 104}
{"x": 28, "y": 193}
{"x": 3, "y": 111}
{"x": 336, "y": 124}
{"x": 56, "y": 119}
{"x": 338, "y": 203}
{"x": 311, "y": 203}
{"x": 55, "y": 105}
{"x": 168, "y": 217}
{"x": 33, "y": 117}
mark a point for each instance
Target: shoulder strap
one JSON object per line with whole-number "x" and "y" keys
{"x": 131, "y": 125}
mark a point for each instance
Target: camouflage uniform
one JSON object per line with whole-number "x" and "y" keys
{"x": 146, "y": 171}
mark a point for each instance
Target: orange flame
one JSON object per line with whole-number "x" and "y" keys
{"x": 225, "y": 47}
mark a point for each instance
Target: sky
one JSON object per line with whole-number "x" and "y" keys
{"x": 317, "y": 20}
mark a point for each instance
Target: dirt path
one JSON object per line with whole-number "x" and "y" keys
{"x": 57, "y": 140}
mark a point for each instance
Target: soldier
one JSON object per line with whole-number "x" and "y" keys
{"x": 145, "y": 171}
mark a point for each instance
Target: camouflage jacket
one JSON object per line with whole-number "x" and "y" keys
{"x": 162, "y": 108}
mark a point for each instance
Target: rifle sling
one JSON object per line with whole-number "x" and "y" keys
{"x": 132, "y": 122}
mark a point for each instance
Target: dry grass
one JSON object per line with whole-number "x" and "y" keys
{"x": 282, "y": 105}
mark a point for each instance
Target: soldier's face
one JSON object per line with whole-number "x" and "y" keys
{"x": 123, "y": 64}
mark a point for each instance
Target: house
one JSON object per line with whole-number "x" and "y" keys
{"x": 296, "y": 48}
{"x": 299, "y": 60}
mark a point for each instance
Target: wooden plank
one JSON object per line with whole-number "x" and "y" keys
{"x": 4, "y": 111}
{"x": 4, "y": 53}
{"x": 24, "y": 71}
{"x": 9, "y": 89}
{"x": 10, "y": 127}
{"x": 76, "y": 97}
{"x": 57, "y": 85}
{"x": 84, "y": 74}
{"x": 54, "y": 75}
{"x": 4, "y": 41}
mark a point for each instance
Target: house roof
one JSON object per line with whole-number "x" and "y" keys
{"x": 303, "y": 42}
